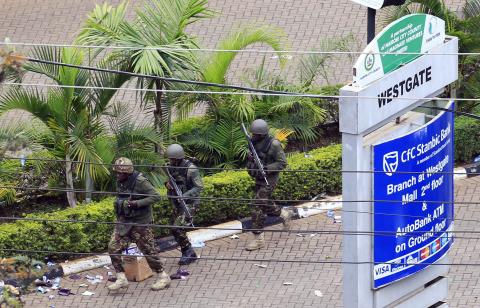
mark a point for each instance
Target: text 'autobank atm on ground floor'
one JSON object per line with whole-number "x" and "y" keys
{"x": 394, "y": 135}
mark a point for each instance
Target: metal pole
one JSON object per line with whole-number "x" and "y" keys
{"x": 371, "y": 24}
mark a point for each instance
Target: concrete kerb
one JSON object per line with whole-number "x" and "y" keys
{"x": 204, "y": 235}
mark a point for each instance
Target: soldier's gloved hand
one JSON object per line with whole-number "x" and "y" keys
{"x": 132, "y": 204}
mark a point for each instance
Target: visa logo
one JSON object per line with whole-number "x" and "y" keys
{"x": 382, "y": 270}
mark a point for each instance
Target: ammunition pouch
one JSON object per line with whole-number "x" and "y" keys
{"x": 123, "y": 210}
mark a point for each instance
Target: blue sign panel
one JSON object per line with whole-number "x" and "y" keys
{"x": 413, "y": 212}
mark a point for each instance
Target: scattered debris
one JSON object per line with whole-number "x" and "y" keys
{"x": 94, "y": 280}
{"x": 110, "y": 274}
{"x": 330, "y": 213}
{"x": 51, "y": 296}
{"x": 43, "y": 282}
{"x": 234, "y": 237}
{"x": 337, "y": 219}
{"x": 75, "y": 277}
{"x": 88, "y": 293}
{"x": 56, "y": 283}
{"x": 260, "y": 265}
{"x": 198, "y": 244}
{"x": 318, "y": 293}
{"x": 180, "y": 274}
{"x": 65, "y": 292}
{"x": 41, "y": 290}
{"x": 306, "y": 234}
{"x": 83, "y": 285}
{"x": 287, "y": 283}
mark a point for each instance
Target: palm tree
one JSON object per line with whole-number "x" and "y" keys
{"x": 220, "y": 141}
{"x": 156, "y": 44}
{"x": 70, "y": 115}
{"x": 466, "y": 28}
{"x": 129, "y": 139}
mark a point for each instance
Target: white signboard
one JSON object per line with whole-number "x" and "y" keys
{"x": 374, "y": 4}
{"x": 400, "y": 90}
{"x": 402, "y": 41}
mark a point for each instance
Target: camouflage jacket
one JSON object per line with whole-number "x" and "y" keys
{"x": 271, "y": 154}
{"x": 188, "y": 179}
{"x": 138, "y": 188}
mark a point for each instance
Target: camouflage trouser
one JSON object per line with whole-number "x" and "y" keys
{"x": 178, "y": 219}
{"x": 143, "y": 237}
{"x": 262, "y": 206}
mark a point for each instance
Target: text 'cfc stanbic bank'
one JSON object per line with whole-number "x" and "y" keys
{"x": 402, "y": 148}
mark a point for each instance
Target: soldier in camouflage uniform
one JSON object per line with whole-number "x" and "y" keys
{"x": 188, "y": 180}
{"x": 273, "y": 158}
{"x": 134, "y": 205}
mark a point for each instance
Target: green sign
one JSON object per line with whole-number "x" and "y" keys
{"x": 399, "y": 43}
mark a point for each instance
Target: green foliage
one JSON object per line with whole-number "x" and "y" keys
{"x": 78, "y": 237}
{"x": 186, "y": 126}
{"x": 58, "y": 236}
{"x": 7, "y": 196}
{"x": 467, "y": 139}
{"x": 158, "y": 45}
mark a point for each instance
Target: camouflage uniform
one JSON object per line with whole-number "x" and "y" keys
{"x": 271, "y": 154}
{"x": 190, "y": 183}
{"x": 123, "y": 235}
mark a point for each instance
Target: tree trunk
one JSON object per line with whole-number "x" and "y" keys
{"x": 158, "y": 114}
{"x": 88, "y": 184}
{"x": 72, "y": 201}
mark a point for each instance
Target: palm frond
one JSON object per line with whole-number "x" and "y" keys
{"x": 217, "y": 65}
{"x": 31, "y": 101}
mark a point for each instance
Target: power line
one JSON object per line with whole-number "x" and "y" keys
{"x": 296, "y": 231}
{"x": 231, "y": 169}
{"x": 216, "y": 199}
{"x": 259, "y": 51}
{"x": 213, "y": 258}
{"x": 252, "y": 91}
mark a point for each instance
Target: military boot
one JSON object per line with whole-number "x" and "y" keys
{"x": 121, "y": 282}
{"x": 286, "y": 216}
{"x": 188, "y": 256}
{"x": 163, "y": 281}
{"x": 257, "y": 242}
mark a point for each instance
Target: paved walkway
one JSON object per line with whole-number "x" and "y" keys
{"x": 244, "y": 284}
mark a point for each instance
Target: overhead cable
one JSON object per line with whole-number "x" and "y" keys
{"x": 246, "y": 50}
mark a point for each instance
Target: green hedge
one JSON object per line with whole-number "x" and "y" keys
{"x": 467, "y": 139}
{"x": 78, "y": 237}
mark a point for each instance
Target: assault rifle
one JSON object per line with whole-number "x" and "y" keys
{"x": 254, "y": 153}
{"x": 178, "y": 192}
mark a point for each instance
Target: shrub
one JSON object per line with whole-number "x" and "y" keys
{"x": 467, "y": 139}
{"x": 77, "y": 237}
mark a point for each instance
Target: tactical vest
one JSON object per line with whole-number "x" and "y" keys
{"x": 129, "y": 195}
{"x": 263, "y": 151}
{"x": 180, "y": 175}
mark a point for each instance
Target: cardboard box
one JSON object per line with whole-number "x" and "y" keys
{"x": 136, "y": 267}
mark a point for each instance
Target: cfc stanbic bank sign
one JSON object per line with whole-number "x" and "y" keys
{"x": 413, "y": 193}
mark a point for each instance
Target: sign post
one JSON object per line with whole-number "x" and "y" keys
{"x": 393, "y": 268}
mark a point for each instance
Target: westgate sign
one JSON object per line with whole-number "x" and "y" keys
{"x": 402, "y": 41}
{"x": 400, "y": 90}
{"x": 411, "y": 227}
